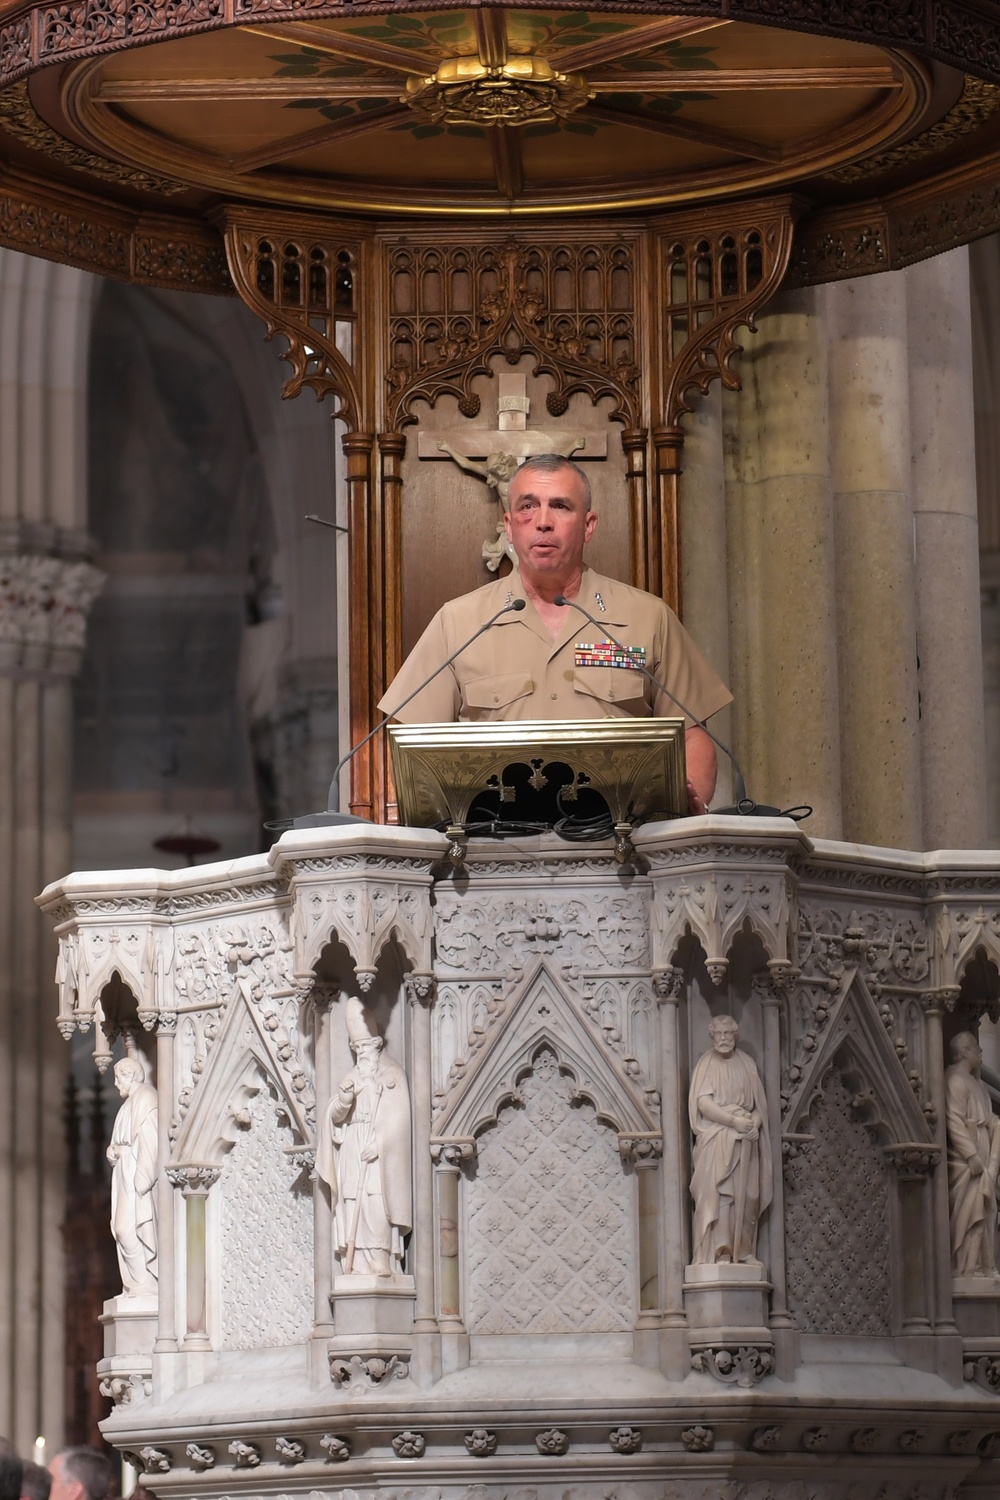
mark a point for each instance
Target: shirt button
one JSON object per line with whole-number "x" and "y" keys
{"x": 496, "y": 697}
{"x": 611, "y": 692}
{"x": 554, "y": 696}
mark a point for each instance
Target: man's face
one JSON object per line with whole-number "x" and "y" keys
{"x": 548, "y": 522}
{"x": 63, "y": 1487}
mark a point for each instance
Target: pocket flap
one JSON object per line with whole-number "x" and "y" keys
{"x": 496, "y": 692}
{"x": 617, "y": 685}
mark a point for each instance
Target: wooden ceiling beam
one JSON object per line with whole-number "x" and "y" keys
{"x": 684, "y": 130}
{"x": 240, "y": 90}
{"x": 340, "y": 44}
{"x": 746, "y": 80}
{"x": 322, "y": 135}
{"x": 491, "y": 38}
{"x": 508, "y": 168}
{"x": 630, "y": 43}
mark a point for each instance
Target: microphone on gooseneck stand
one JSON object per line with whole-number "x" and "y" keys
{"x": 744, "y": 806}
{"x": 332, "y": 818}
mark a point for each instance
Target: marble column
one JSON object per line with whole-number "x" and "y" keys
{"x": 783, "y": 641}
{"x": 876, "y": 610}
{"x": 46, "y": 588}
{"x": 946, "y": 538}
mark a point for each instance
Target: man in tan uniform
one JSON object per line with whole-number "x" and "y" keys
{"x": 547, "y": 661}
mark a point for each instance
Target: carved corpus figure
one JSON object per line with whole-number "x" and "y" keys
{"x": 731, "y": 1181}
{"x": 973, "y": 1161}
{"x": 132, "y": 1154}
{"x": 364, "y": 1154}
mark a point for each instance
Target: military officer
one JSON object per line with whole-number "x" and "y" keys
{"x": 547, "y": 661}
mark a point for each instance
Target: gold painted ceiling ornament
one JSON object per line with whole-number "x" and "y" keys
{"x": 523, "y": 90}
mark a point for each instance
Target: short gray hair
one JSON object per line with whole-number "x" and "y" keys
{"x": 551, "y": 463}
{"x": 89, "y": 1467}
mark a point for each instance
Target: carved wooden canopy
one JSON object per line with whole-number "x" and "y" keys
{"x": 124, "y": 123}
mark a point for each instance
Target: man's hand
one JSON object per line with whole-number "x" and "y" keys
{"x": 702, "y": 769}
{"x": 696, "y": 804}
{"x": 975, "y": 1166}
{"x": 369, "y": 1152}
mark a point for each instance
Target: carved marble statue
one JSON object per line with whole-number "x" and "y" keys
{"x": 973, "y": 1161}
{"x": 498, "y": 471}
{"x": 132, "y": 1154}
{"x": 731, "y": 1181}
{"x": 364, "y": 1154}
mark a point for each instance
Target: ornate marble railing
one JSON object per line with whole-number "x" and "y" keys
{"x": 445, "y": 1233}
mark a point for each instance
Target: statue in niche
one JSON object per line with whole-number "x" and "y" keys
{"x": 731, "y": 1181}
{"x": 973, "y": 1161}
{"x": 363, "y": 1154}
{"x": 132, "y": 1154}
{"x": 498, "y": 471}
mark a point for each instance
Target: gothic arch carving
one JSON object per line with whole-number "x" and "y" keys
{"x": 303, "y": 281}
{"x": 856, "y": 1041}
{"x": 241, "y": 1059}
{"x": 542, "y": 1016}
{"x": 364, "y": 915}
{"x": 571, "y": 304}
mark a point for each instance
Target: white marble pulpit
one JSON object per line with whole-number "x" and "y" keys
{"x": 539, "y": 1013}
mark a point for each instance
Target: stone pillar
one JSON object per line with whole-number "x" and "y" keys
{"x": 166, "y": 1330}
{"x": 323, "y": 997}
{"x": 781, "y": 574}
{"x": 46, "y": 588}
{"x": 419, "y": 991}
{"x": 703, "y": 553}
{"x": 675, "y": 1206}
{"x": 43, "y": 606}
{"x": 946, "y": 538}
{"x": 876, "y": 612}
{"x": 195, "y": 1181}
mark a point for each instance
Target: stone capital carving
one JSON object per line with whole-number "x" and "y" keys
{"x": 453, "y": 1153}
{"x": 984, "y": 1369}
{"x": 911, "y": 1162}
{"x": 745, "y": 1366}
{"x": 668, "y": 985}
{"x": 366, "y": 1373}
{"x": 194, "y": 1178}
{"x": 642, "y": 1150}
{"x": 420, "y": 989}
{"x": 44, "y": 602}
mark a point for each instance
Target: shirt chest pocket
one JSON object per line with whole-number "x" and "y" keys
{"x": 622, "y": 689}
{"x": 488, "y": 697}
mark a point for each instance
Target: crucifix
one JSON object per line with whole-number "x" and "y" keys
{"x": 503, "y": 450}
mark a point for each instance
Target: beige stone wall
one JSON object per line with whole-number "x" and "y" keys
{"x": 839, "y": 485}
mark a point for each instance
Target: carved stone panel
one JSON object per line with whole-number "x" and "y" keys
{"x": 837, "y": 1222}
{"x": 549, "y": 1217}
{"x": 266, "y": 1239}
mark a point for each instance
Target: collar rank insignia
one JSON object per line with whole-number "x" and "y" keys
{"x": 606, "y": 654}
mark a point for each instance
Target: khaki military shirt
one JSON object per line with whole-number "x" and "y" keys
{"x": 515, "y": 670}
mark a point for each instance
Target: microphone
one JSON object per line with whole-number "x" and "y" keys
{"x": 744, "y": 806}
{"x": 334, "y": 818}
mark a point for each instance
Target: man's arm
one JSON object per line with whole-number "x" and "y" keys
{"x": 702, "y": 769}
